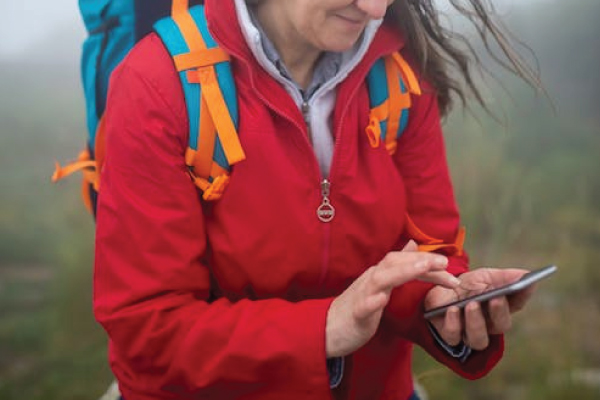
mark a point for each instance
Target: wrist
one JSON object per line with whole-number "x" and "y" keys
{"x": 332, "y": 337}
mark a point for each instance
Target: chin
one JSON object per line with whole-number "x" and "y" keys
{"x": 340, "y": 45}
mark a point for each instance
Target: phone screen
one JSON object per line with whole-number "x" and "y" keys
{"x": 525, "y": 281}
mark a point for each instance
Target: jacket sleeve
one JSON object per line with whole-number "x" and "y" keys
{"x": 421, "y": 160}
{"x": 151, "y": 288}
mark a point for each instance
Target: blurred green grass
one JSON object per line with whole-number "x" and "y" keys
{"x": 50, "y": 346}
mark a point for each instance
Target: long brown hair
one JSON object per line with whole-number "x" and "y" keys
{"x": 440, "y": 52}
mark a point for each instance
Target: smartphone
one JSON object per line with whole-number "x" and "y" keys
{"x": 525, "y": 281}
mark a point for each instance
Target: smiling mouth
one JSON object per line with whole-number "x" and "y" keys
{"x": 352, "y": 20}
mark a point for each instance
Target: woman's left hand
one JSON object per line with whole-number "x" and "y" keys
{"x": 476, "y": 324}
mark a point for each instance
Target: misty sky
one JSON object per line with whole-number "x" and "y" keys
{"x": 25, "y": 22}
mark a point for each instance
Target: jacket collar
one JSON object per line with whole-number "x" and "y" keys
{"x": 223, "y": 24}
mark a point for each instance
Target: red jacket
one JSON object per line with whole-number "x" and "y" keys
{"x": 228, "y": 300}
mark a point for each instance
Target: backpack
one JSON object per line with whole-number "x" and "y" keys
{"x": 115, "y": 26}
{"x": 210, "y": 94}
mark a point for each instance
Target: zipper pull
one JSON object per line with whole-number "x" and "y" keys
{"x": 326, "y": 211}
{"x": 305, "y": 108}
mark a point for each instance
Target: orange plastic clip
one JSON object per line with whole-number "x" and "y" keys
{"x": 216, "y": 188}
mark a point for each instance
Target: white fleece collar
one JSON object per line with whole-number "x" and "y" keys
{"x": 349, "y": 59}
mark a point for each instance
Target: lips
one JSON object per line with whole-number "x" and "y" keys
{"x": 352, "y": 21}
{"x": 358, "y": 20}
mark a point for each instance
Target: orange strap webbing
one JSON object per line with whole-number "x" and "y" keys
{"x": 429, "y": 243}
{"x": 408, "y": 75}
{"x": 397, "y": 101}
{"x": 215, "y": 119}
{"x": 397, "y": 74}
{"x": 90, "y": 175}
{"x": 83, "y": 163}
{"x": 90, "y": 168}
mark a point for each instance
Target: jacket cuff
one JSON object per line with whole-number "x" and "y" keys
{"x": 461, "y": 351}
{"x": 335, "y": 368}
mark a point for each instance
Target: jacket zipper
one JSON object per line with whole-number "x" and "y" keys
{"x": 325, "y": 211}
{"x": 326, "y": 208}
{"x": 305, "y": 107}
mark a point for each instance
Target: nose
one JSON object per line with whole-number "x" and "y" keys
{"x": 375, "y": 9}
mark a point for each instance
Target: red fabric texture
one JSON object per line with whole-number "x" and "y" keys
{"x": 228, "y": 300}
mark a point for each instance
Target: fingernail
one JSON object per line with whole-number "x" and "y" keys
{"x": 420, "y": 265}
{"x": 441, "y": 261}
{"x": 410, "y": 244}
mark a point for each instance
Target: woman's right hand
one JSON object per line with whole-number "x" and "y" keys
{"x": 354, "y": 315}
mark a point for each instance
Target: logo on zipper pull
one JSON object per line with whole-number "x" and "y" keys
{"x": 326, "y": 211}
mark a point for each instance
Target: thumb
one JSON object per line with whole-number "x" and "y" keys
{"x": 411, "y": 246}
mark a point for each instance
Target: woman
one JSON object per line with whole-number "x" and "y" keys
{"x": 253, "y": 296}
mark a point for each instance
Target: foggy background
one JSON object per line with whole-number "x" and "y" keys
{"x": 528, "y": 188}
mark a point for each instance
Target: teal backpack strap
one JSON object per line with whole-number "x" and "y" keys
{"x": 390, "y": 81}
{"x": 210, "y": 96}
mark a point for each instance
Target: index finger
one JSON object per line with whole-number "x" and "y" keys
{"x": 397, "y": 269}
{"x": 430, "y": 261}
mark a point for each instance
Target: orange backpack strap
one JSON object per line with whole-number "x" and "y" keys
{"x": 87, "y": 166}
{"x": 210, "y": 96}
{"x": 90, "y": 167}
{"x": 429, "y": 243}
{"x": 391, "y": 82}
